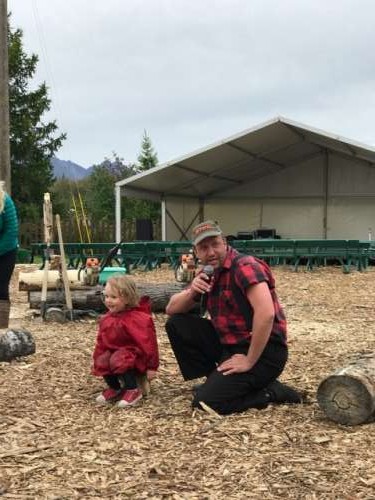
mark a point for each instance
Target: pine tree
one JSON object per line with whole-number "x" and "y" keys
{"x": 99, "y": 196}
{"x": 32, "y": 142}
{"x": 147, "y": 158}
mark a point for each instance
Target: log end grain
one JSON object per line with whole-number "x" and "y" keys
{"x": 345, "y": 400}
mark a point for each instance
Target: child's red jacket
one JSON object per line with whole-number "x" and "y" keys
{"x": 126, "y": 341}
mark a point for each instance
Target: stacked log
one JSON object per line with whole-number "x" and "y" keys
{"x": 89, "y": 297}
{"x": 33, "y": 281}
{"x": 347, "y": 396}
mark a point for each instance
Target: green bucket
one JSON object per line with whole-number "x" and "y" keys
{"x": 107, "y": 272}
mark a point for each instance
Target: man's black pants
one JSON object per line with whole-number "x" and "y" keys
{"x": 198, "y": 351}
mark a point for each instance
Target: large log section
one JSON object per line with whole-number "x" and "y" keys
{"x": 33, "y": 280}
{"x": 90, "y": 298}
{"x": 15, "y": 343}
{"x": 348, "y": 395}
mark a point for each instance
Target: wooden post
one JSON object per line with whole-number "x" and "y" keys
{"x": 348, "y": 395}
{"x": 64, "y": 272}
{"x": 4, "y": 99}
{"x": 48, "y": 225}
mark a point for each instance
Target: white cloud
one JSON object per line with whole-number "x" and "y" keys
{"x": 192, "y": 73}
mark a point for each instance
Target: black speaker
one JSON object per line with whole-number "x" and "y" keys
{"x": 264, "y": 234}
{"x": 143, "y": 229}
{"x": 244, "y": 235}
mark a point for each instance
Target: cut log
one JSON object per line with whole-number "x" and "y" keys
{"x": 34, "y": 280}
{"x": 348, "y": 395}
{"x": 89, "y": 298}
{"x": 15, "y": 343}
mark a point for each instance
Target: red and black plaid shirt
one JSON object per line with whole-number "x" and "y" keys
{"x": 226, "y": 315}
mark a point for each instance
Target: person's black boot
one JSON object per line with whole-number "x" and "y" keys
{"x": 196, "y": 387}
{"x": 282, "y": 393}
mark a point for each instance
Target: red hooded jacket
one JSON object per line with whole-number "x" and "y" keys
{"x": 126, "y": 341}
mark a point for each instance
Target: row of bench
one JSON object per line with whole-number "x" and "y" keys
{"x": 311, "y": 253}
{"x": 150, "y": 254}
{"x": 146, "y": 254}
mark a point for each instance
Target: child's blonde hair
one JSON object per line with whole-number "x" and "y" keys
{"x": 2, "y": 196}
{"x": 126, "y": 287}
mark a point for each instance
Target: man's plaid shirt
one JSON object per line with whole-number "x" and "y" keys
{"x": 225, "y": 313}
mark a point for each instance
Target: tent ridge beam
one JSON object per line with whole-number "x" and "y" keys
{"x": 205, "y": 174}
{"x": 262, "y": 173}
{"x": 296, "y": 132}
{"x": 345, "y": 154}
{"x": 254, "y": 156}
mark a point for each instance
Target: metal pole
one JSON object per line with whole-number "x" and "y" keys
{"x": 4, "y": 98}
{"x": 163, "y": 220}
{"x": 325, "y": 193}
{"x": 118, "y": 213}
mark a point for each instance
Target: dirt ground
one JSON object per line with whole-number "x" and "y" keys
{"x": 56, "y": 443}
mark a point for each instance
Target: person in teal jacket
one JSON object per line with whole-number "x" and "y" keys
{"x": 8, "y": 251}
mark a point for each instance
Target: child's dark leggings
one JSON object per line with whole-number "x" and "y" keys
{"x": 126, "y": 380}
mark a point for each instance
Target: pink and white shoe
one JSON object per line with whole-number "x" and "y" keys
{"x": 108, "y": 396}
{"x": 130, "y": 398}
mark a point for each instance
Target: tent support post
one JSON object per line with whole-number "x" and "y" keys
{"x": 182, "y": 231}
{"x": 163, "y": 221}
{"x": 325, "y": 193}
{"x": 118, "y": 213}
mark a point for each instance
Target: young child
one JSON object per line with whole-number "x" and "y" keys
{"x": 126, "y": 345}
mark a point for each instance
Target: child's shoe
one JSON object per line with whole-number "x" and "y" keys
{"x": 129, "y": 398}
{"x": 108, "y": 396}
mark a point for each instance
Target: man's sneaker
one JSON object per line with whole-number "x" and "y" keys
{"x": 129, "y": 398}
{"x": 282, "y": 393}
{"x": 108, "y": 396}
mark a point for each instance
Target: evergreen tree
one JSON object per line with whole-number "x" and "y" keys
{"x": 147, "y": 158}
{"x": 32, "y": 142}
{"x": 100, "y": 197}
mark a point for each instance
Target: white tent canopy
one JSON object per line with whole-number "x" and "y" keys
{"x": 241, "y": 179}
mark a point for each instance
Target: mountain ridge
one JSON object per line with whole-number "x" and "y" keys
{"x": 69, "y": 169}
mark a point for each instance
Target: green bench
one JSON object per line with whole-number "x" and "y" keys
{"x": 349, "y": 253}
{"x": 272, "y": 251}
{"x": 314, "y": 252}
{"x": 150, "y": 254}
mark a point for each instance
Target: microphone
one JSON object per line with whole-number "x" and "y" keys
{"x": 209, "y": 271}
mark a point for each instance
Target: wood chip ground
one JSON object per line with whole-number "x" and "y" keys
{"x": 56, "y": 443}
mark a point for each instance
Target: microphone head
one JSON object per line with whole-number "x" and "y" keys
{"x": 208, "y": 270}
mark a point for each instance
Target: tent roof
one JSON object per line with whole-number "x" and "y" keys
{"x": 237, "y": 160}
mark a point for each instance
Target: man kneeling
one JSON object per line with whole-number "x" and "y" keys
{"x": 242, "y": 348}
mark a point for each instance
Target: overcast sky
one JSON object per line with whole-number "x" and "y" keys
{"x": 192, "y": 72}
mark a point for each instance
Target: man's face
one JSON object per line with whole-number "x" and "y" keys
{"x": 212, "y": 250}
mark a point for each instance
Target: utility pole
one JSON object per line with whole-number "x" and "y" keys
{"x": 4, "y": 98}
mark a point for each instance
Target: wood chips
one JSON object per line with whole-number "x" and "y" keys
{"x": 56, "y": 443}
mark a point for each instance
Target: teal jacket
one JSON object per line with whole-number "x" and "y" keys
{"x": 8, "y": 227}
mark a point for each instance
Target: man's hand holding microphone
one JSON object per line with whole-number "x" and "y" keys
{"x": 201, "y": 284}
